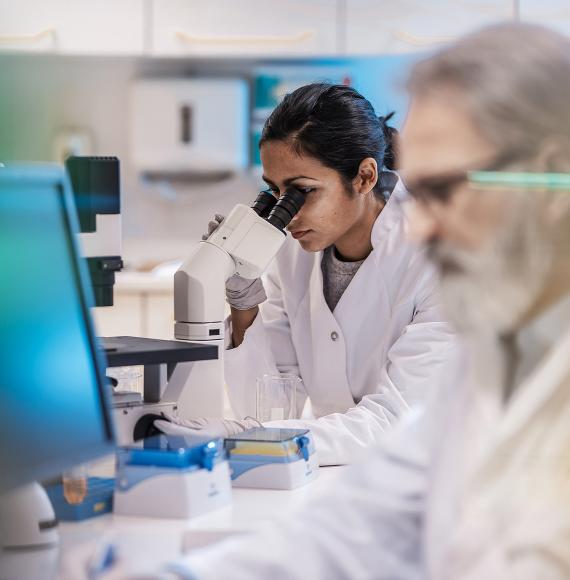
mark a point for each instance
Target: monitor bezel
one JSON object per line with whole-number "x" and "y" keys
{"x": 55, "y": 178}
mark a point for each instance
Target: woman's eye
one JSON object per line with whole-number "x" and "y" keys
{"x": 305, "y": 190}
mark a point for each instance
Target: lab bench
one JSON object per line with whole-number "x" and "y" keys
{"x": 145, "y": 542}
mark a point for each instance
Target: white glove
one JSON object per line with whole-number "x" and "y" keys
{"x": 241, "y": 293}
{"x": 214, "y": 428}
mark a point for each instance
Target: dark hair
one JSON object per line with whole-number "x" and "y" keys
{"x": 338, "y": 126}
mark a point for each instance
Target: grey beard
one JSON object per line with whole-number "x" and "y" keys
{"x": 492, "y": 289}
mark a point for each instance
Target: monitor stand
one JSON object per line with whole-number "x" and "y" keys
{"x": 29, "y": 539}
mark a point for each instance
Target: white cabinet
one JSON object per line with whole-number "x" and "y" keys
{"x": 127, "y": 316}
{"x": 143, "y": 306}
{"x": 397, "y": 26}
{"x": 246, "y": 28}
{"x": 552, "y": 13}
{"x": 160, "y": 315}
{"x": 72, "y": 26}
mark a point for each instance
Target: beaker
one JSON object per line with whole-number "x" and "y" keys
{"x": 276, "y": 397}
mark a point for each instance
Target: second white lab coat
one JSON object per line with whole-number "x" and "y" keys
{"x": 468, "y": 489}
{"x": 362, "y": 365}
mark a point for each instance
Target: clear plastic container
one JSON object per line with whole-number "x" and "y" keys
{"x": 276, "y": 397}
{"x": 75, "y": 484}
{"x": 128, "y": 378}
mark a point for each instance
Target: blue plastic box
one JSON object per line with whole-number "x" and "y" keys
{"x": 98, "y": 501}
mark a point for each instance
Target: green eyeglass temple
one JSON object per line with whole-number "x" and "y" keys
{"x": 544, "y": 181}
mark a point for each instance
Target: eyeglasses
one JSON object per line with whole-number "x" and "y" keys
{"x": 507, "y": 179}
{"x": 441, "y": 188}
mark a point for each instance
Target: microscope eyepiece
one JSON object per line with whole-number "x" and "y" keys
{"x": 286, "y": 208}
{"x": 264, "y": 203}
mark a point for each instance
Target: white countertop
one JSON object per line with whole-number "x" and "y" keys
{"x": 145, "y": 542}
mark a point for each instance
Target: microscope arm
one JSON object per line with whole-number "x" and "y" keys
{"x": 243, "y": 244}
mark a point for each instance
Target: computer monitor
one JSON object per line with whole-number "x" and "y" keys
{"x": 54, "y": 399}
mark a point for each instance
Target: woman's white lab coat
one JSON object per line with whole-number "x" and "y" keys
{"x": 362, "y": 365}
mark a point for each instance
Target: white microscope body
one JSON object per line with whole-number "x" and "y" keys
{"x": 244, "y": 244}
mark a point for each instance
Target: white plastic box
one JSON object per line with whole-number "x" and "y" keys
{"x": 189, "y": 125}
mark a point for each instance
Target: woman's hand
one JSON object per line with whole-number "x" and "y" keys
{"x": 243, "y": 295}
{"x": 173, "y": 425}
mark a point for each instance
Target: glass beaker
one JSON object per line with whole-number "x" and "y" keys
{"x": 129, "y": 378}
{"x": 276, "y": 397}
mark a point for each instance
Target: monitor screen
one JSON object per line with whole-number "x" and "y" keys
{"x": 53, "y": 411}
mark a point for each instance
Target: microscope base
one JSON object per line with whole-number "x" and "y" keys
{"x": 127, "y": 417}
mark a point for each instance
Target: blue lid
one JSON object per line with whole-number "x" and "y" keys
{"x": 177, "y": 452}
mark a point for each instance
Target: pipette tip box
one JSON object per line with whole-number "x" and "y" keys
{"x": 272, "y": 458}
{"x": 172, "y": 477}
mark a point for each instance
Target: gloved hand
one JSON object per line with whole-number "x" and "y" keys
{"x": 173, "y": 425}
{"x": 241, "y": 293}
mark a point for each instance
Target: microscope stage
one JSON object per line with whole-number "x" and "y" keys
{"x": 124, "y": 351}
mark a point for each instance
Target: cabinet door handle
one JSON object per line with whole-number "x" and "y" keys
{"x": 268, "y": 39}
{"x": 421, "y": 40}
{"x": 26, "y": 38}
{"x": 506, "y": 10}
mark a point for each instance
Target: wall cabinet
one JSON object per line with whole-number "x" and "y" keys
{"x": 399, "y": 26}
{"x": 256, "y": 28}
{"x": 73, "y": 27}
{"x": 552, "y": 13}
{"x": 143, "y": 306}
{"x": 246, "y": 28}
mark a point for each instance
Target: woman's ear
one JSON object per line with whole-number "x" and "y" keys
{"x": 367, "y": 176}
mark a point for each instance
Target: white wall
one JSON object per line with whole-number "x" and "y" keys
{"x": 42, "y": 94}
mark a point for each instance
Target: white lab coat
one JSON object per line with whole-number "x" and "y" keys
{"x": 466, "y": 490}
{"x": 363, "y": 365}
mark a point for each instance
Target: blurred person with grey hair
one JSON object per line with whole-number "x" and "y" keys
{"x": 478, "y": 486}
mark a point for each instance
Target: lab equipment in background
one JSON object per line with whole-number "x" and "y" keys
{"x": 168, "y": 370}
{"x": 272, "y": 458}
{"x": 272, "y": 83}
{"x": 189, "y": 126}
{"x": 95, "y": 182}
{"x": 49, "y": 355}
{"x": 172, "y": 477}
{"x": 72, "y": 142}
{"x": 276, "y": 397}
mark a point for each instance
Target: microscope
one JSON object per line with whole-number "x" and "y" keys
{"x": 244, "y": 244}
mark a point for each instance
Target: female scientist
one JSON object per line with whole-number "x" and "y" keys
{"x": 348, "y": 304}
